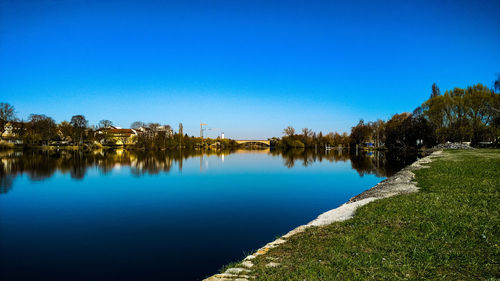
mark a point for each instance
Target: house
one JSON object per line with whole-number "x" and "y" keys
{"x": 13, "y": 131}
{"x": 9, "y": 129}
{"x": 155, "y": 130}
{"x": 116, "y": 135}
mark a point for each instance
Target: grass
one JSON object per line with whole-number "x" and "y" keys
{"x": 449, "y": 230}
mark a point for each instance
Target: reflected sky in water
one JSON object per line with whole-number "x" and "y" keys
{"x": 72, "y": 215}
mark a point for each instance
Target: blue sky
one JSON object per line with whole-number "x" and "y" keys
{"x": 250, "y": 68}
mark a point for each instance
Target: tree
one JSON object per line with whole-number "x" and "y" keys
{"x": 79, "y": 121}
{"x": 181, "y": 128}
{"x": 41, "y": 129}
{"x": 169, "y": 131}
{"x": 154, "y": 127}
{"x": 360, "y": 133}
{"x": 478, "y": 101}
{"x": 289, "y": 131}
{"x": 7, "y": 114}
{"x": 306, "y": 132}
{"x": 105, "y": 124}
{"x": 137, "y": 125}
{"x": 79, "y": 124}
{"x": 462, "y": 115}
{"x": 497, "y": 84}
{"x": 66, "y": 130}
{"x": 377, "y": 132}
{"x": 398, "y": 131}
{"x": 306, "y": 137}
{"x": 435, "y": 91}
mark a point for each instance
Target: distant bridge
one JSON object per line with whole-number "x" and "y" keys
{"x": 266, "y": 142}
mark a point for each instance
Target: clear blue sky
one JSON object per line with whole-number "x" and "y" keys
{"x": 248, "y": 67}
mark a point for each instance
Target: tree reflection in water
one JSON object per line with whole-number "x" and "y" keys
{"x": 381, "y": 164}
{"x": 42, "y": 164}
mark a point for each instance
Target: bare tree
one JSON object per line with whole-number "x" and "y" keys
{"x": 289, "y": 131}
{"x": 154, "y": 126}
{"x": 105, "y": 124}
{"x": 137, "y": 125}
{"x": 306, "y": 132}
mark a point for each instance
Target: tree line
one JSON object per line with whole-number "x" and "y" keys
{"x": 40, "y": 130}
{"x": 308, "y": 138}
{"x": 459, "y": 115}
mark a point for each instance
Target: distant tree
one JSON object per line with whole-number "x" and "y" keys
{"x": 154, "y": 127}
{"x": 289, "y": 131}
{"x": 79, "y": 121}
{"x": 181, "y": 132}
{"x": 446, "y": 113}
{"x": 435, "y": 91}
{"x": 398, "y": 130}
{"x": 168, "y": 130}
{"x": 7, "y": 114}
{"x": 306, "y": 137}
{"x": 306, "y": 132}
{"x": 41, "y": 129}
{"x": 463, "y": 115}
{"x": 137, "y": 125}
{"x": 79, "y": 124}
{"x": 478, "y": 102}
{"x": 66, "y": 130}
{"x": 360, "y": 133}
{"x": 433, "y": 110}
{"x": 497, "y": 84}
{"x": 378, "y": 133}
{"x": 346, "y": 139}
{"x": 105, "y": 124}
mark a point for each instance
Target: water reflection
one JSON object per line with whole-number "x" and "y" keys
{"x": 42, "y": 164}
{"x": 101, "y": 211}
{"x": 378, "y": 163}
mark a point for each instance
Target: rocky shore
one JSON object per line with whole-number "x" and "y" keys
{"x": 453, "y": 145}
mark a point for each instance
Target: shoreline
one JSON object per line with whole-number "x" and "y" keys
{"x": 400, "y": 183}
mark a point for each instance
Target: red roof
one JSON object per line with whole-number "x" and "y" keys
{"x": 121, "y": 131}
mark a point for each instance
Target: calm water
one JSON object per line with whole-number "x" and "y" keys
{"x": 119, "y": 215}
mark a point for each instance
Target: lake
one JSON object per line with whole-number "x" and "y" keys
{"x": 178, "y": 215}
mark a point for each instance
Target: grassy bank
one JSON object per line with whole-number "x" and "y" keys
{"x": 448, "y": 230}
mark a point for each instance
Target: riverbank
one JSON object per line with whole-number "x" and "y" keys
{"x": 447, "y": 230}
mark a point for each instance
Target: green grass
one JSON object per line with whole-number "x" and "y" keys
{"x": 449, "y": 230}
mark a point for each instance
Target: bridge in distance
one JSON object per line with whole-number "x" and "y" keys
{"x": 265, "y": 142}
